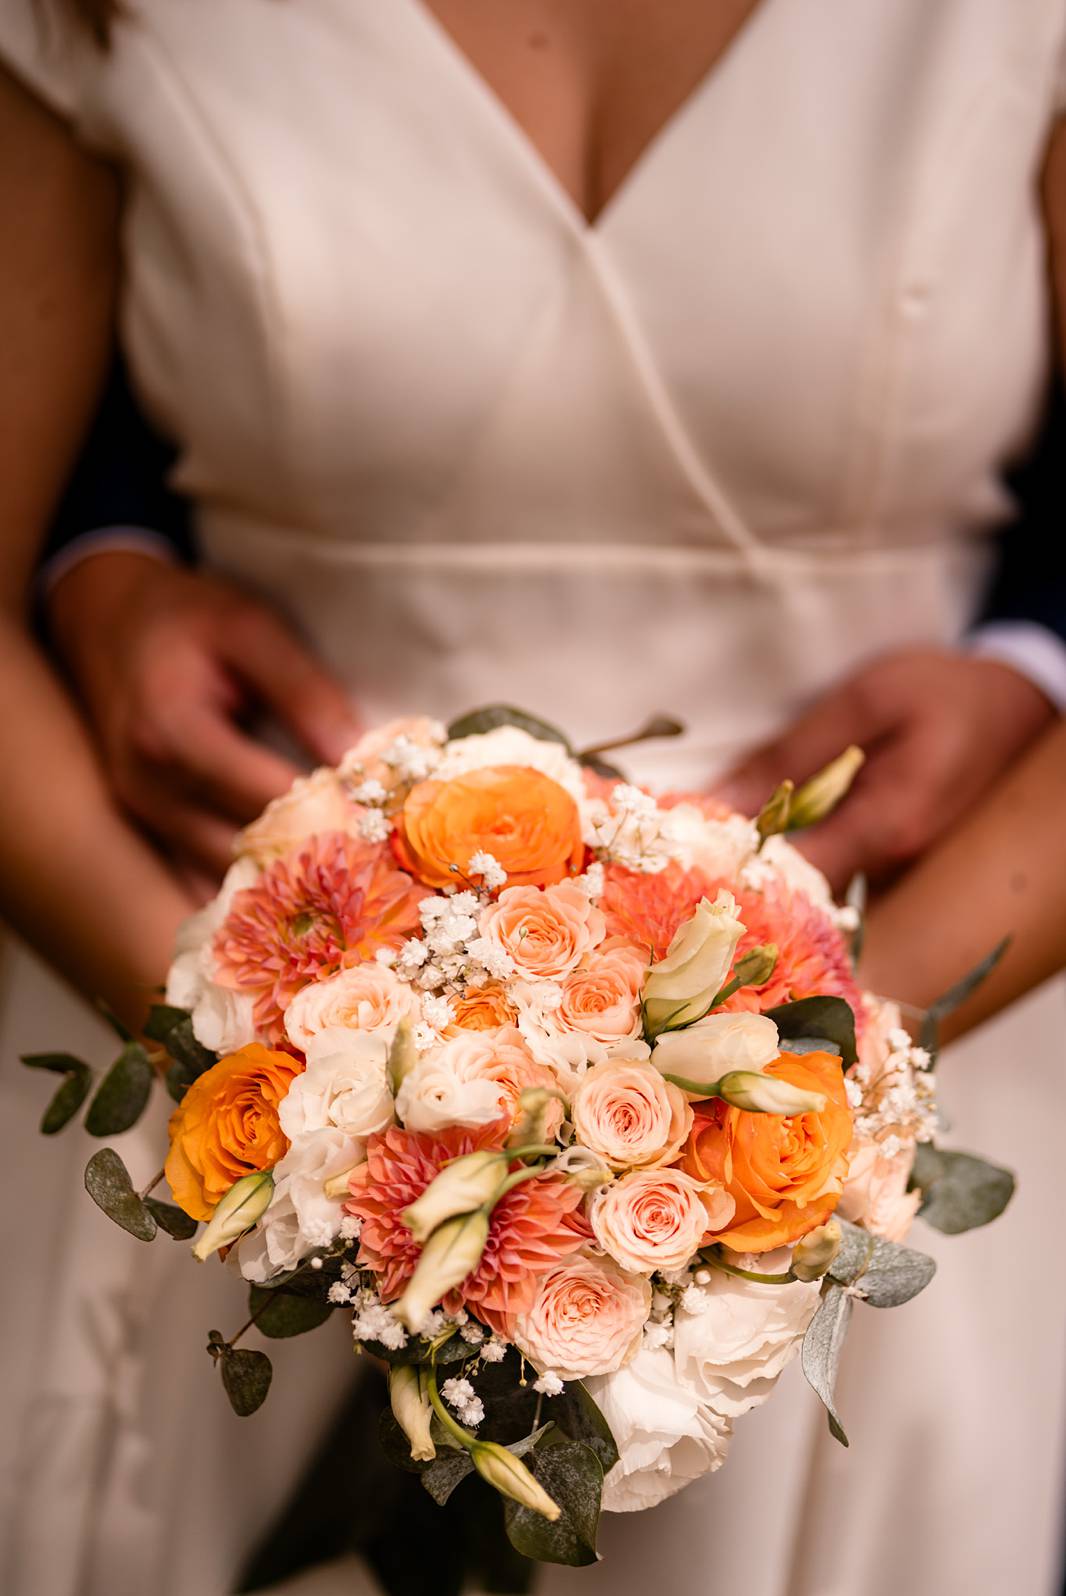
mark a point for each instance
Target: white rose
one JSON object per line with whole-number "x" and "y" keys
{"x": 875, "y": 1192}
{"x": 472, "y": 1079}
{"x": 222, "y": 1019}
{"x": 314, "y": 803}
{"x": 301, "y": 1217}
{"x": 706, "y": 1051}
{"x": 365, "y": 997}
{"x": 733, "y": 1337}
{"x": 345, "y": 1087}
{"x": 508, "y": 745}
{"x": 719, "y": 848}
{"x": 682, "y": 987}
{"x": 666, "y": 1437}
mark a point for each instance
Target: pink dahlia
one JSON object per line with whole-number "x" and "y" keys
{"x": 812, "y": 956}
{"x": 648, "y": 909}
{"x": 332, "y": 902}
{"x": 533, "y": 1225}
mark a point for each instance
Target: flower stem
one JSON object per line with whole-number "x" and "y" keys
{"x": 747, "y": 1274}
{"x": 151, "y": 1186}
{"x": 466, "y": 1438}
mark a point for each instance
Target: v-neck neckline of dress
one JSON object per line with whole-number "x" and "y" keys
{"x": 533, "y": 158}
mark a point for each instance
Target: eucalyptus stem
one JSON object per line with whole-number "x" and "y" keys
{"x": 747, "y": 1274}
{"x": 152, "y": 1184}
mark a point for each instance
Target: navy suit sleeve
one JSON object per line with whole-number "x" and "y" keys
{"x": 1030, "y": 579}
{"x": 120, "y": 479}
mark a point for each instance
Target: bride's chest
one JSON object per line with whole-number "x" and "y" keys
{"x": 345, "y": 258}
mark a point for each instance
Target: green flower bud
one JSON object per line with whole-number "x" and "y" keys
{"x": 452, "y": 1252}
{"x": 245, "y": 1202}
{"x": 509, "y": 1475}
{"x": 765, "y": 1094}
{"x": 818, "y": 797}
{"x": 462, "y": 1186}
{"x": 816, "y": 1251}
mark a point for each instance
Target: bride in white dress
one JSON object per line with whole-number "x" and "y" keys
{"x": 702, "y": 432}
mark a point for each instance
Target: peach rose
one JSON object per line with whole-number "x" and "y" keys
{"x": 364, "y": 997}
{"x": 473, "y": 1079}
{"x": 587, "y": 1318}
{"x": 602, "y": 996}
{"x": 876, "y": 1194}
{"x": 315, "y": 803}
{"x": 657, "y": 1218}
{"x": 526, "y": 821}
{"x": 546, "y": 933}
{"x": 226, "y": 1126}
{"x": 624, "y": 1111}
{"x": 481, "y": 1008}
{"x": 785, "y": 1174}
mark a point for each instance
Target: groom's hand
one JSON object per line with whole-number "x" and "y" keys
{"x": 168, "y": 662}
{"x": 938, "y": 728}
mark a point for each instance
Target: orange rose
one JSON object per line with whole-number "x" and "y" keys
{"x": 785, "y": 1174}
{"x": 526, "y": 821}
{"x": 227, "y": 1125}
{"x": 483, "y": 1008}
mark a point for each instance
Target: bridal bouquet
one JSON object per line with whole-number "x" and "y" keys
{"x": 564, "y": 1096}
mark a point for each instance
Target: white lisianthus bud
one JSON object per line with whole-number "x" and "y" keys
{"x": 765, "y": 1094}
{"x": 682, "y": 987}
{"x": 509, "y": 1475}
{"x": 465, "y": 1184}
{"x": 339, "y": 1185}
{"x": 403, "y": 1055}
{"x": 411, "y": 1410}
{"x": 245, "y": 1202}
{"x": 452, "y": 1252}
{"x": 818, "y": 797}
{"x": 704, "y": 1052}
{"x": 535, "y": 1105}
{"x": 816, "y": 1251}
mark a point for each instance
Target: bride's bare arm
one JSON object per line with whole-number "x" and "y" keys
{"x": 1003, "y": 871}
{"x": 74, "y": 878}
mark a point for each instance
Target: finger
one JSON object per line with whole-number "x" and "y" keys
{"x": 201, "y": 836}
{"x": 219, "y": 767}
{"x": 282, "y": 672}
{"x": 842, "y": 717}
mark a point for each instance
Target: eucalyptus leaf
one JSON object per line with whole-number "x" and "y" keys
{"x": 956, "y": 995}
{"x": 444, "y": 1473}
{"x": 822, "y": 1346}
{"x": 856, "y": 898}
{"x": 246, "y": 1376}
{"x": 171, "y": 1219}
{"x": 820, "y": 1018}
{"x": 886, "y": 1273}
{"x": 959, "y": 1190}
{"x": 577, "y": 1416}
{"x": 812, "y": 1044}
{"x": 106, "y": 1012}
{"x": 280, "y": 1314}
{"x": 70, "y": 1095}
{"x": 162, "y": 1018}
{"x": 191, "y": 1058}
{"x": 123, "y": 1093}
{"x": 571, "y": 1474}
{"x": 108, "y": 1183}
{"x": 495, "y": 715}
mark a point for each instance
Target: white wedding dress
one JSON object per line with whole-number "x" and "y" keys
{"x": 705, "y": 455}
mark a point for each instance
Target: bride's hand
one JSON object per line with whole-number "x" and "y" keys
{"x": 938, "y": 729}
{"x": 166, "y": 662}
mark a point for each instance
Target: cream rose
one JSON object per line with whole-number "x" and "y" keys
{"x": 473, "y": 1079}
{"x": 545, "y": 932}
{"x": 344, "y": 1087}
{"x": 602, "y": 996}
{"x": 666, "y": 1437}
{"x": 300, "y": 1216}
{"x": 657, "y": 1218}
{"x": 508, "y": 745}
{"x": 587, "y": 1318}
{"x": 314, "y": 803}
{"x": 875, "y": 1192}
{"x": 733, "y": 1337}
{"x": 706, "y": 1051}
{"x": 719, "y": 848}
{"x": 366, "y": 997}
{"x": 624, "y": 1111}
{"x": 222, "y": 1020}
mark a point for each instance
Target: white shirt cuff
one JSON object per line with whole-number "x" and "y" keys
{"x": 1035, "y": 651}
{"x": 103, "y": 540}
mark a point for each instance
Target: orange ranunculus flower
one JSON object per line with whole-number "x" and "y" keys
{"x": 526, "y": 821}
{"x": 483, "y": 1008}
{"x": 785, "y": 1174}
{"x": 226, "y": 1126}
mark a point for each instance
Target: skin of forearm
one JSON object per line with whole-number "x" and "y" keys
{"x": 76, "y": 881}
{"x": 1002, "y": 872}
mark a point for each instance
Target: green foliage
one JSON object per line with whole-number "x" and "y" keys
{"x": 171, "y": 1219}
{"x": 494, "y": 715}
{"x": 572, "y": 1475}
{"x": 108, "y": 1183}
{"x": 70, "y": 1095}
{"x": 822, "y": 1346}
{"x": 246, "y": 1377}
{"x": 956, "y": 995}
{"x": 279, "y": 1314}
{"x": 172, "y": 1027}
{"x": 886, "y": 1273}
{"x": 827, "y": 1022}
{"x": 123, "y": 1093}
{"x": 959, "y": 1190}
